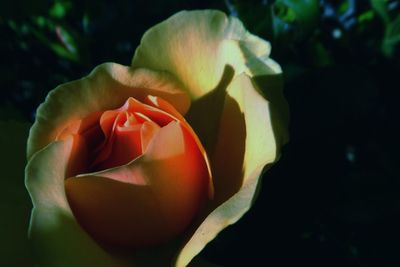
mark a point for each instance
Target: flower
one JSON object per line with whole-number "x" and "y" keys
{"x": 152, "y": 171}
{"x": 218, "y": 90}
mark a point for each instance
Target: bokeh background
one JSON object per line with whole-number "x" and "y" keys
{"x": 333, "y": 199}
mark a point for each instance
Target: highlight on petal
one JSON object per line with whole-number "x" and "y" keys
{"x": 57, "y": 238}
{"x": 259, "y": 150}
{"x": 197, "y": 53}
{"x": 105, "y": 88}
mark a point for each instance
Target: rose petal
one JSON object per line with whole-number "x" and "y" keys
{"x": 78, "y": 159}
{"x": 107, "y": 124}
{"x": 115, "y": 213}
{"x": 167, "y": 107}
{"x": 260, "y": 150}
{"x": 157, "y": 115}
{"x": 148, "y": 131}
{"x": 57, "y": 238}
{"x": 228, "y": 153}
{"x": 197, "y": 53}
{"x": 177, "y": 171}
{"x": 126, "y": 146}
{"x": 163, "y": 105}
{"x": 106, "y": 88}
{"x": 91, "y": 131}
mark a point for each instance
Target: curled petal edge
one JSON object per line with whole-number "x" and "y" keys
{"x": 222, "y": 41}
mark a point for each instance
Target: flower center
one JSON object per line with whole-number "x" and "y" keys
{"x": 128, "y": 131}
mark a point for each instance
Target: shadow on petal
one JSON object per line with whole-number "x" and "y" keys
{"x": 218, "y": 121}
{"x": 227, "y": 160}
{"x": 271, "y": 86}
{"x": 205, "y": 113}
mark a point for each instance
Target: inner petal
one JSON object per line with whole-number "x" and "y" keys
{"x": 130, "y": 120}
{"x": 148, "y": 131}
{"x": 125, "y": 146}
{"x": 108, "y": 121}
{"x": 140, "y": 109}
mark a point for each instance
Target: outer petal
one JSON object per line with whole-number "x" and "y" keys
{"x": 107, "y": 87}
{"x": 59, "y": 240}
{"x": 262, "y": 144}
{"x": 195, "y": 46}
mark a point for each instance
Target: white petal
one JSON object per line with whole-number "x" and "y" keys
{"x": 195, "y": 46}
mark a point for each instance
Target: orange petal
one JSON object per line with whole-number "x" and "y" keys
{"x": 116, "y": 214}
{"x": 159, "y": 116}
{"x": 149, "y": 129}
{"x": 78, "y": 159}
{"x": 163, "y": 105}
{"x": 108, "y": 121}
{"x": 160, "y": 103}
{"x": 177, "y": 173}
{"x": 126, "y": 146}
{"x": 90, "y": 129}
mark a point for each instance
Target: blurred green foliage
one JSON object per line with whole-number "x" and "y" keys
{"x": 75, "y": 36}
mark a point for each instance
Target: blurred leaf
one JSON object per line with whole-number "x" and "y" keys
{"x": 392, "y": 27}
{"x": 60, "y": 9}
{"x": 256, "y": 16}
{"x": 379, "y": 7}
{"x": 306, "y": 12}
{"x": 366, "y": 16}
{"x": 59, "y": 49}
{"x": 321, "y": 56}
{"x": 67, "y": 39}
{"x": 392, "y": 37}
{"x": 284, "y": 12}
{"x": 344, "y": 6}
{"x": 40, "y": 21}
{"x": 19, "y": 28}
{"x": 86, "y": 23}
{"x": 294, "y": 20}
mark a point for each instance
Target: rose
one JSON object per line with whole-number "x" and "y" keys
{"x": 207, "y": 68}
{"x": 153, "y": 173}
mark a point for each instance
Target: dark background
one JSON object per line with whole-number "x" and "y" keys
{"x": 333, "y": 199}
